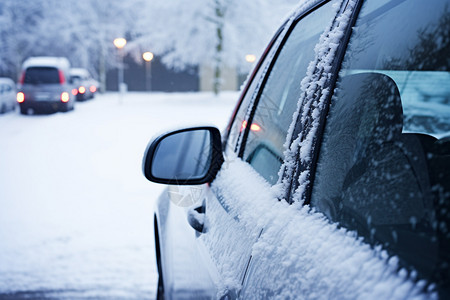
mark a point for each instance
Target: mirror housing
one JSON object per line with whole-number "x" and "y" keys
{"x": 184, "y": 157}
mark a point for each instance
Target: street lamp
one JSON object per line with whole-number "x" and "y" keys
{"x": 120, "y": 43}
{"x": 250, "y": 58}
{"x": 148, "y": 56}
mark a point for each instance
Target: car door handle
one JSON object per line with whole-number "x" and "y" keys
{"x": 196, "y": 217}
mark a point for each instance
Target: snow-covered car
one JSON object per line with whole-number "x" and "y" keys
{"x": 7, "y": 94}
{"x": 332, "y": 179}
{"x": 45, "y": 85}
{"x": 85, "y": 85}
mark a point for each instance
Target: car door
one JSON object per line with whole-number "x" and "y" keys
{"x": 366, "y": 173}
{"x": 280, "y": 145}
{"x": 239, "y": 203}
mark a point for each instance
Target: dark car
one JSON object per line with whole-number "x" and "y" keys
{"x": 45, "y": 85}
{"x": 332, "y": 179}
{"x": 85, "y": 85}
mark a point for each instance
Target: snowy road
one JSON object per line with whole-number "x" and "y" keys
{"x": 75, "y": 210}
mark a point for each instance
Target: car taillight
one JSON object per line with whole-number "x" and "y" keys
{"x": 22, "y": 77}
{"x": 20, "y": 97}
{"x": 93, "y": 88}
{"x": 82, "y": 89}
{"x": 65, "y": 97}
{"x": 62, "y": 78}
{"x": 74, "y": 92}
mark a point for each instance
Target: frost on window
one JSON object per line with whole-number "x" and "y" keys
{"x": 278, "y": 100}
{"x": 384, "y": 166}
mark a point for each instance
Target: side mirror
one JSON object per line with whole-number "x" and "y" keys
{"x": 184, "y": 157}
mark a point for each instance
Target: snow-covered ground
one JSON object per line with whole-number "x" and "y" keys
{"x": 75, "y": 209}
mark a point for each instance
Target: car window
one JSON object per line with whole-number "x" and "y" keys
{"x": 41, "y": 75}
{"x": 278, "y": 100}
{"x": 384, "y": 165}
{"x": 235, "y": 133}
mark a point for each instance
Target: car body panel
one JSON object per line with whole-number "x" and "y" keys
{"x": 185, "y": 274}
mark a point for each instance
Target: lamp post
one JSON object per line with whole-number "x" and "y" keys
{"x": 148, "y": 56}
{"x": 120, "y": 43}
{"x": 251, "y": 58}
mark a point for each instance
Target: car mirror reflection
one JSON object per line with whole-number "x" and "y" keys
{"x": 188, "y": 156}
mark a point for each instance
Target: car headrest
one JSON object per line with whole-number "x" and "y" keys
{"x": 376, "y": 98}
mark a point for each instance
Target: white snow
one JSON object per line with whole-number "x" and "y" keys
{"x": 310, "y": 104}
{"x": 59, "y": 62}
{"x": 299, "y": 254}
{"x": 76, "y": 217}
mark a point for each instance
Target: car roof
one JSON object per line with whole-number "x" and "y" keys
{"x": 47, "y": 61}
{"x": 79, "y": 72}
{"x": 6, "y": 80}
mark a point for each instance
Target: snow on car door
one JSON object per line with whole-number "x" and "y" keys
{"x": 300, "y": 254}
{"x": 240, "y": 202}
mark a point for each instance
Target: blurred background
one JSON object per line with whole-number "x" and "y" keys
{"x": 195, "y": 45}
{"x": 76, "y": 213}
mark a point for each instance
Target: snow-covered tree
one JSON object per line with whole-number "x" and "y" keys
{"x": 82, "y": 30}
{"x": 218, "y": 33}
{"x": 19, "y": 22}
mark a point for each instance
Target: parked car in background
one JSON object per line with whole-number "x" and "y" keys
{"x": 7, "y": 94}
{"x": 85, "y": 85}
{"x": 332, "y": 179}
{"x": 45, "y": 85}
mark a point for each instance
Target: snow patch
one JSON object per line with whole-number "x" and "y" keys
{"x": 300, "y": 254}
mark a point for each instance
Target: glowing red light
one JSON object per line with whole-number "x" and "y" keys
{"x": 65, "y": 97}
{"x": 93, "y": 88}
{"x": 74, "y": 92}
{"x": 22, "y": 78}
{"x": 20, "y": 97}
{"x": 62, "y": 78}
{"x": 82, "y": 89}
{"x": 244, "y": 125}
{"x": 253, "y": 127}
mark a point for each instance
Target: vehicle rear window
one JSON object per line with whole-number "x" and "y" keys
{"x": 41, "y": 75}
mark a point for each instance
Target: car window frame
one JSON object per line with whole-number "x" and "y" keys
{"x": 259, "y": 92}
{"x": 330, "y": 84}
{"x": 250, "y": 80}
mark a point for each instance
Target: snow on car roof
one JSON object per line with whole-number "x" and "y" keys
{"x": 79, "y": 72}
{"x": 58, "y": 62}
{"x": 6, "y": 80}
